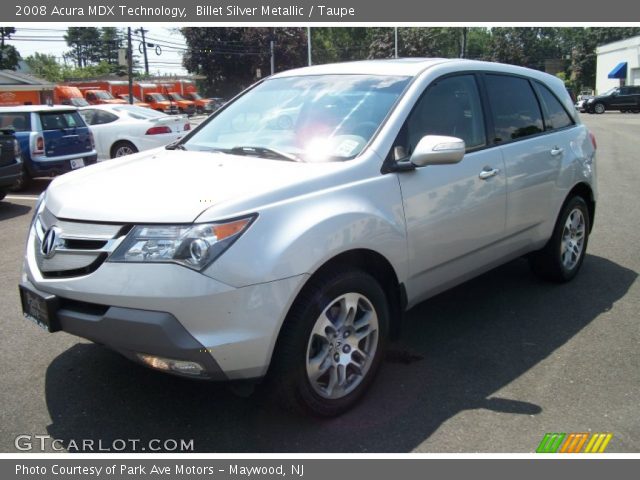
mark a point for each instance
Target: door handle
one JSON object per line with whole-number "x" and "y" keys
{"x": 555, "y": 151}
{"x": 488, "y": 173}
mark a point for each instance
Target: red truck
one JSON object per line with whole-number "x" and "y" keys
{"x": 169, "y": 90}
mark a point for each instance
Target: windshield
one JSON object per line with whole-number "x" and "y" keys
{"x": 312, "y": 118}
{"x": 175, "y": 96}
{"x": 158, "y": 97}
{"x": 126, "y": 97}
{"x": 194, "y": 96}
{"x": 76, "y": 102}
{"x": 102, "y": 95}
{"x": 611, "y": 91}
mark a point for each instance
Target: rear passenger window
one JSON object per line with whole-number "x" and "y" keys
{"x": 450, "y": 106}
{"x": 18, "y": 121}
{"x": 59, "y": 120}
{"x": 555, "y": 115}
{"x": 516, "y": 112}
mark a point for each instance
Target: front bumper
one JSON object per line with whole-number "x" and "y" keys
{"x": 236, "y": 327}
{"x": 132, "y": 331}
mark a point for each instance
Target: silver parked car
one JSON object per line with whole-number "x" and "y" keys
{"x": 284, "y": 237}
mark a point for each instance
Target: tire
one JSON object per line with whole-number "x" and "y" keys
{"x": 562, "y": 256}
{"x": 23, "y": 182}
{"x": 599, "y": 108}
{"x": 123, "y": 148}
{"x": 310, "y": 342}
{"x": 3, "y": 193}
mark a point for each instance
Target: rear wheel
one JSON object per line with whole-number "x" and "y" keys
{"x": 599, "y": 108}
{"x": 562, "y": 256}
{"x": 120, "y": 149}
{"x": 332, "y": 343}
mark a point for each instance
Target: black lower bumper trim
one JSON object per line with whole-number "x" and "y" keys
{"x": 130, "y": 331}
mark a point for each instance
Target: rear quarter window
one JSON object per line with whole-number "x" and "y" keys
{"x": 555, "y": 115}
{"x": 515, "y": 109}
{"x": 19, "y": 121}
{"x": 61, "y": 119}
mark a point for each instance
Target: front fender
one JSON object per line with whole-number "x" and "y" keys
{"x": 298, "y": 236}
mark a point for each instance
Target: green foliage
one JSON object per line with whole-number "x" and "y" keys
{"x": 45, "y": 66}
{"x": 229, "y": 57}
{"x": 9, "y": 56}
{"x": 85, "y": 73}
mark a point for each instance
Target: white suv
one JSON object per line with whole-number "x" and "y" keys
{"x": 286, "y": 235}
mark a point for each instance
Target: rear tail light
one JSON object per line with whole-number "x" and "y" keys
{"x": 187, "y": 126}
{"x": 39, "y": 150}
{"x": 593, "y": 141}
{"x": 158, "y": 130}
{"x": 16, "y": 148}
{"x": 93, "y": 142}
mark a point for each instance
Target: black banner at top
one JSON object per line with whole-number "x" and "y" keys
{"x": 315, "y": 11}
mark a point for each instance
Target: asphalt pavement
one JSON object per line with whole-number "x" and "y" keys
{"x": 489, "y": 366}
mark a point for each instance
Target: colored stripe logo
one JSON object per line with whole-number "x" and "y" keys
{"x": 574, "y": 443}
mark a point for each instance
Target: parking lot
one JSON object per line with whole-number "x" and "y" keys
{"x": 489, "y": 366}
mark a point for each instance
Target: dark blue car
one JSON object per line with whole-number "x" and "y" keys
{"x": 53, "y": 140}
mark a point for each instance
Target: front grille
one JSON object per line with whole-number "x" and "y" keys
{"x": 79, "y": 248}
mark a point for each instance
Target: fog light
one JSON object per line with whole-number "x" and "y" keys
{"x": 184, "y": 367}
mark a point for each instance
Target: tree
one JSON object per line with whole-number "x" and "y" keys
{"x": 229, "y": 57}
{"x": 45, "y": 66}
{"x": 111, "y": 40}
{"x": 9, "y": 56}
{"x": 86, "y": 45}
{"x": 524, "y": 46}
{"x": 416, "y": 42}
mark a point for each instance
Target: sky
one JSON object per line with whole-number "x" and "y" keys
{"x": 48, "y": 39}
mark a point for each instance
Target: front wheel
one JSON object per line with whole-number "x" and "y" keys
{"x": 599, "y": 108}
{"x": 332, "y": 343}
{"x": 561, "y": 258}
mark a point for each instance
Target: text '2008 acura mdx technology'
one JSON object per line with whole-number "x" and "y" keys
{"x": 286, "y": 235}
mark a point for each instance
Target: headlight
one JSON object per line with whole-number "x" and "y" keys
{"x": 194, "y": 246}
{"x": 38, "y": 208}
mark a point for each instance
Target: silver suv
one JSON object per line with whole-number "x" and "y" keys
{"x": 285, "y": 236}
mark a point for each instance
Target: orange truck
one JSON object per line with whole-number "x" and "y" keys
{"x": 66, "y": 95}
{"x": 14, "y": 95}
{"x": 168, "y": 89}
{"x": 187, "y": 89}
{"x": 99, "y": 91}
{"x": 150, "y": 94}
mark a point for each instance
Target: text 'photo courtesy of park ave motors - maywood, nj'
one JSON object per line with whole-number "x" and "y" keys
{"x": 206, "y": 11}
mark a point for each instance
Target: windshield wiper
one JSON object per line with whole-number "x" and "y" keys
{"x": 263, "y": 152}
{"x": 175, "y": 146}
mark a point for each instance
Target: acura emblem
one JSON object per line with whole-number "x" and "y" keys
{"x": 50, "y": 242}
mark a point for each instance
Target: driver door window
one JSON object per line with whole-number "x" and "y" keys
{"x": 450, "y": 106}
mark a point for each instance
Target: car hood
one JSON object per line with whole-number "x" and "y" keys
{"x": 173, "y": 186}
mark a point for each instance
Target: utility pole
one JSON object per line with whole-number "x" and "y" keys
{"x": 130, "y": 65}
{"x": 273, "y": 60}
{"x": 395, "y": 34}
{"x": 309, "y": 45}
{"x": 144, "y": 50}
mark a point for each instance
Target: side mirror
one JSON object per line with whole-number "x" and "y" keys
{"x": 437, "y": 150}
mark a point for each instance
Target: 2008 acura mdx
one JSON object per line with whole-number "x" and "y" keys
{"x": 287, "y": 234}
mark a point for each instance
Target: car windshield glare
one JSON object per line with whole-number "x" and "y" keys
{"x": 315, "y": 118}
